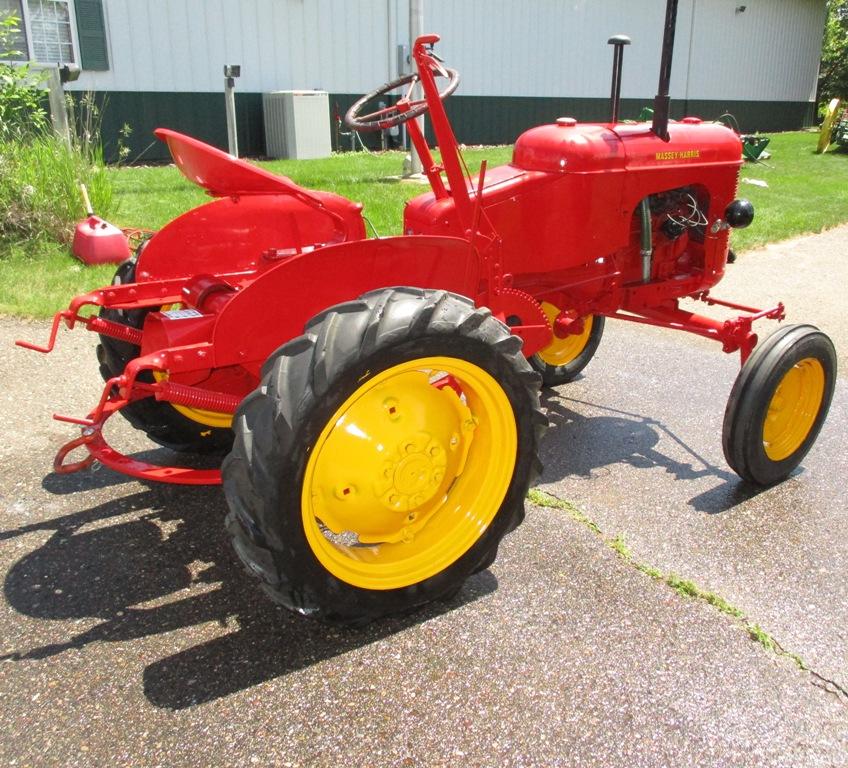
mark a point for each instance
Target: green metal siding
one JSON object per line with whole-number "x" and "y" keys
{"x": 476, "y": 119}
{"x": 200, "y": 115}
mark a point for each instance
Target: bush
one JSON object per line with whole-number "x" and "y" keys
{"x": 39, "y": 187}
{"x": 21, "y": 103}
{"x": 40, "y": 173}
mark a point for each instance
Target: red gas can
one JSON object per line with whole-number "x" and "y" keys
{"x": 99, "y": 242}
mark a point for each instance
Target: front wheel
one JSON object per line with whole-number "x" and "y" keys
{"x": 778, "y": 404}
{"x": 563, "y": 359}
{"x": 385, "y": 454}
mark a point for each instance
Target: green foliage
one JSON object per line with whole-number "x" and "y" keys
{"x": 806, "y": 192}
{"x": 39, "y": 187}
{"x": 21, "y": 105}
{"x": 840, "y": 131}
{"x": 40, "y": 173}
{"x": 38, "y": 277}
{"x": 833, "y": 80}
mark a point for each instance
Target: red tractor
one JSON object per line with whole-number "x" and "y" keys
{"x": 378, "y": 399}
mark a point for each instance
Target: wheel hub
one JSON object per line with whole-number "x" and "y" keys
{"x": 414, "y": 474}
{"x": 793, "y": 409}
{"x": 571, "y": 335}
{"x": 389, "y": 460}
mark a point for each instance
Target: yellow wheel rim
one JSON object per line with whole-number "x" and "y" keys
{"x": 200, "y": 415}
{"x": 793, "y": 409}
{"x": 562, "y": 351}
{"x": 409, "y": 473}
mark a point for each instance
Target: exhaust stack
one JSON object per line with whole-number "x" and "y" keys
{"x": 618, "y": 42}
{"x": 661, "y": 100}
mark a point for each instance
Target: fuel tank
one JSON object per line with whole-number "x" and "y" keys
{"x": 568, "y": 146}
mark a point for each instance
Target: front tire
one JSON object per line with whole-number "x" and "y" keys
{"x": 384, "y": 456}
{"x": 564, "y": 358}
{"x": 778, "y": 404}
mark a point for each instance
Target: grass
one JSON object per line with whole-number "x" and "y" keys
{"x": 151, "y": 197}
{"x": 806, "y": 193}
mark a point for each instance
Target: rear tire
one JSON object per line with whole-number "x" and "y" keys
{"x": 778, "y": 404}
{"x": 159, "y": 420}
{"x": 416, "y": 475}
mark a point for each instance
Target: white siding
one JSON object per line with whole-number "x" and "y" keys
{"x": 501, "y": 47}
{"x": 182, "y": 45}
{"x": 559, "y": 48}
{"x": 770, "y": 52}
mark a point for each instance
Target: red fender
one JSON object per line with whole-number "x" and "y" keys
{"x": 231, "y": 234}
{"x": 278, "y": 303}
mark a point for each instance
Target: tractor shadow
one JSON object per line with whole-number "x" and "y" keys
{"x": 577, "y": 444}
{"x": 158, "y": 560}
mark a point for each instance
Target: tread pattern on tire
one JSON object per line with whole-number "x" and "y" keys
{"x": 270, "y": 430}
{"x": 742, "y": 425}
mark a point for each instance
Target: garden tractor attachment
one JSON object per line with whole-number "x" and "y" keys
{"x": 377, "y": 399}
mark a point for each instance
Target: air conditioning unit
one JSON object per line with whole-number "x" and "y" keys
{"x": 297, "y": 124}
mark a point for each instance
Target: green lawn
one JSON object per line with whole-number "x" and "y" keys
{"x": 806, "y": 193}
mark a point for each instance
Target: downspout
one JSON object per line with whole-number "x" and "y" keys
{"x": 391, "y": 33}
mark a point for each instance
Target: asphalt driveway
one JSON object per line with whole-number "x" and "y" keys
{"x": 129, "y": 636}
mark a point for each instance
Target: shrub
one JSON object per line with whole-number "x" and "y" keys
{"x": 39, "y": 187}
{"x": 22, "y": 110}
{"x": 40, "y": 173}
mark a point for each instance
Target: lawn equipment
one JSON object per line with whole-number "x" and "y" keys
{"x": 378, "y": 399}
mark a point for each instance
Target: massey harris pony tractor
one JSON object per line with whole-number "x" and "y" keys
{"x": 378, "y": 399}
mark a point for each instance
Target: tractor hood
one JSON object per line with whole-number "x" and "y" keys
{"x": 571, "y": 147}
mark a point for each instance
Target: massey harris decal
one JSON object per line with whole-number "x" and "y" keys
{"x": 684, "y": 154}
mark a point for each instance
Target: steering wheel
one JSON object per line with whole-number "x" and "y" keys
{"x": 405, "y": 109}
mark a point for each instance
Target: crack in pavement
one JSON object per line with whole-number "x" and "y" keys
{"x": 687, "y": 588}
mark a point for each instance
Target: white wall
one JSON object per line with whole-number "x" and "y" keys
{"x": 182, "y": 45}
{"x": 559, "y": 47}
{"x": 501, "y": 47}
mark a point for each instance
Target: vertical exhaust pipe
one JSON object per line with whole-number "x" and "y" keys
{"x": 619, "y": 41}
{"x": 661, "y": 100}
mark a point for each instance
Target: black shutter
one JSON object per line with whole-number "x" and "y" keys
{"x": 91, "y": 29}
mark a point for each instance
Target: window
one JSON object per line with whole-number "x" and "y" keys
{"x": 50, "y": 31}
{"x": 60, "y": 31}
{"x": 44, "y": 31}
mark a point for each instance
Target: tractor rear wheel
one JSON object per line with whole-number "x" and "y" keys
{"x": 564, "y": 358}
{"x": 165, "y": 424}
{"x": 384, "y": 456}
{"x": 778, "y": 404}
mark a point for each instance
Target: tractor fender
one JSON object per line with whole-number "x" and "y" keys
{"x": 275, "y": 307}
{"x": 231, "y": 234}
